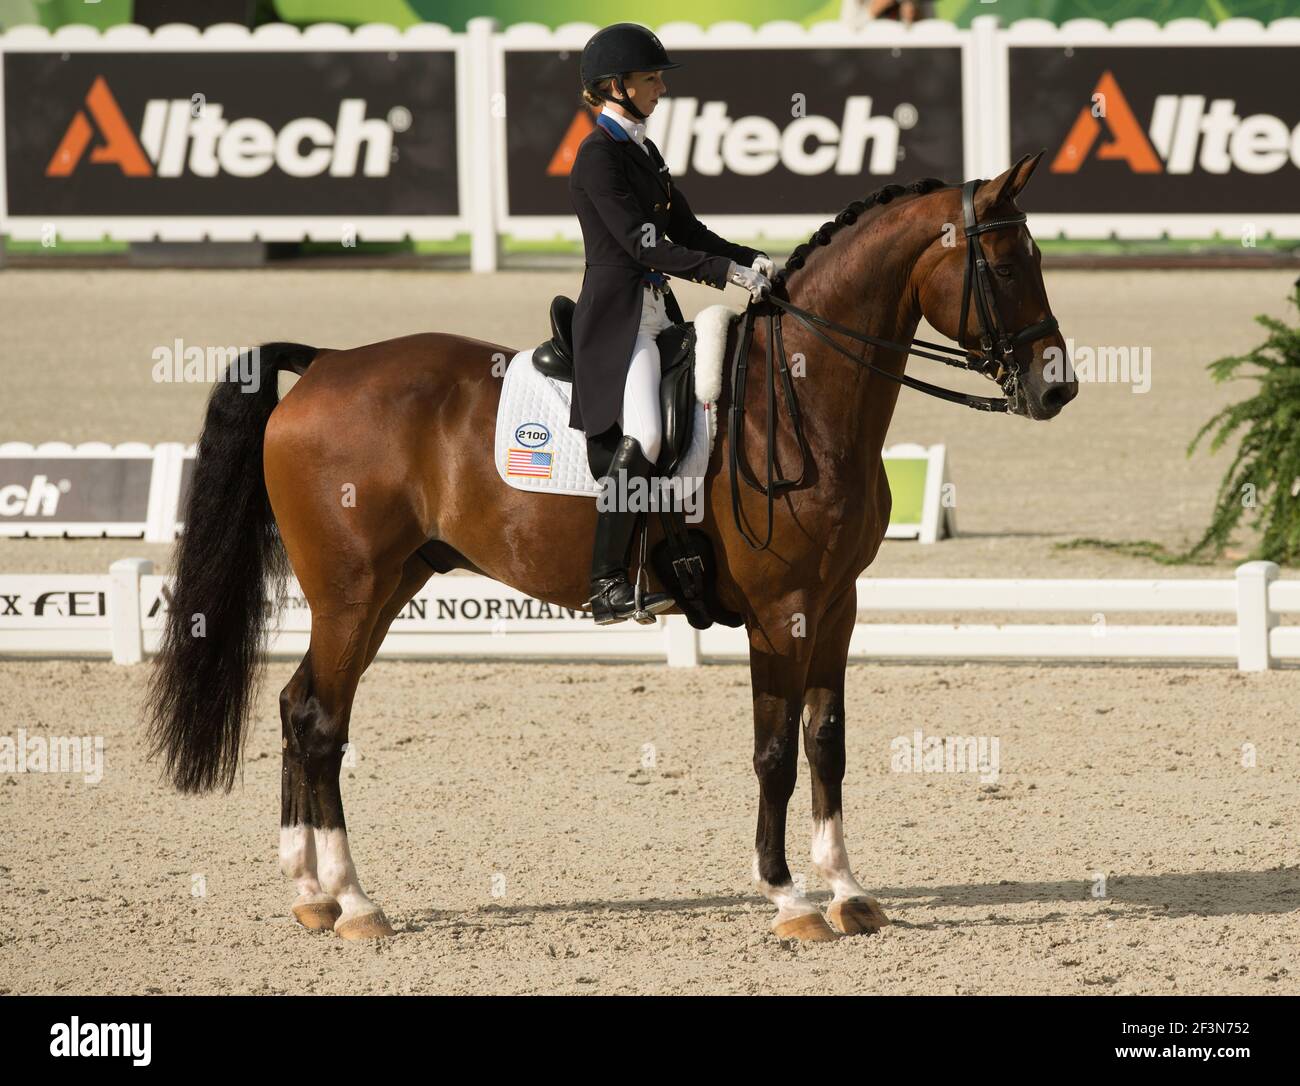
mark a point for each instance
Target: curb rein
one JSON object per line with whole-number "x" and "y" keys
{"x": 995, "y": 360}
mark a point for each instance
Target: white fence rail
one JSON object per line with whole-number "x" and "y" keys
{"x": 121, "y": 615}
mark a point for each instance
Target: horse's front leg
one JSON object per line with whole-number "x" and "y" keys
{"x": 778, "y": 662}
{"x": 852, "y": 910}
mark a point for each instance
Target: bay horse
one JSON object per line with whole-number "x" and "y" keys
{"x": 405, "y": 428}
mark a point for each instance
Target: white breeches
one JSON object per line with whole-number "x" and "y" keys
{"x": 640, "y": 415}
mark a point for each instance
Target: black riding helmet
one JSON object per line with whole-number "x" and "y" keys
{"x": 618, "y": 49}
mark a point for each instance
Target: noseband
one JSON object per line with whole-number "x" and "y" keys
{"x": 996, "y": 359}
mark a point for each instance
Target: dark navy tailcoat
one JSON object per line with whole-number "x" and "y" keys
{"x": 634, "y": 220}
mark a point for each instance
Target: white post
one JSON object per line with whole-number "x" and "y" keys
{"x": 683, "y": 641}
{"x": 126, "y": 633}
{"x": 1254, "y": 619}
{"x": 985, "y": 121}
{"x": 165, "y": 492}
{"x": 483, "y": 131}
{"x": 947, "y": 499}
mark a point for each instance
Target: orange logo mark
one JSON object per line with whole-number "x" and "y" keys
{"x": 1129, "y": 143}
{"x": 562, "y": 161}
{"x": 120, "y": 145}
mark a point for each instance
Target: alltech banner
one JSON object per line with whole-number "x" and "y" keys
{"x": 375, "y": 134}
{"x": 93, "y": 489}
{"x": 1159, "y": 130}
{"x": 752, "y": 131}
{"x": 166, "y": 133}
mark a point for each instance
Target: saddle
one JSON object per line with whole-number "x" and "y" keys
{"x": 554, "y": 358}
{"x": 683, "y": 559}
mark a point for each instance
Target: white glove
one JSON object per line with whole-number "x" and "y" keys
{"x": 753, "y": 281}
{"x": 763, "y": 263}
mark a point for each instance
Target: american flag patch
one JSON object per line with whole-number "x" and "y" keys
{"x": 529, "y": 462}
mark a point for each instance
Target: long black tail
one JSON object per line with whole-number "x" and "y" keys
{"x": 203, "y": 683}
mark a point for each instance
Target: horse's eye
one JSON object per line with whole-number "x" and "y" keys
{"x": 1005, "y": 270}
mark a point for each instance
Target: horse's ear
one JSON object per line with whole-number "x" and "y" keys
{"x": 1007, "y": 186}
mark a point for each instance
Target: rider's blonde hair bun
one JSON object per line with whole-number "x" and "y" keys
{"x": 592, "y": 100}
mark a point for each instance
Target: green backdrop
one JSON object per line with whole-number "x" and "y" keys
{"x": 455, "y": 13}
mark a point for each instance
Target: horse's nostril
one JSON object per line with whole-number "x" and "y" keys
{"x": 1056, "y": 397}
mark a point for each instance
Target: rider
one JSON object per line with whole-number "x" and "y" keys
{"x": 628, "y": 208}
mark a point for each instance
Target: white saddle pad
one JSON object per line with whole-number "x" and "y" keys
{"x": 536, "y": 450}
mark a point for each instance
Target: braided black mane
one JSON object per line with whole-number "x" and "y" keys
{"x": 850, "y": 215}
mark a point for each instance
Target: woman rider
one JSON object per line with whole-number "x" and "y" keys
{"x": 629, "y": 209}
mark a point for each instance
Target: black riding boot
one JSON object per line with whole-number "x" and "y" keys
{"x": 613, "y": 598}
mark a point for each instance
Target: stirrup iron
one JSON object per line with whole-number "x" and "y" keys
{"x": 646, "y": 618}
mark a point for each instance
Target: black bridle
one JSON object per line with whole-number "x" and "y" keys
{"x": 995, "y": 359}
{"x": 976, "y": 284}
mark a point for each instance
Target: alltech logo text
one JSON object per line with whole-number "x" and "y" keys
{"x": 1186, "y": 133}
{"x": 700, "y": 137}
{"x": 38, "y": 499}
{"x": 193, "y": 137}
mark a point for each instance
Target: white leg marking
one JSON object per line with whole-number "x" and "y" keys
{"x": 832, "y": 860}
{"x": 788, "y": 900}
{"x": 337, "y": 875}
{"x": 298, "y": 862}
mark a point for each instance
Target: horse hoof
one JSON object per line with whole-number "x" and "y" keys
{"x": 806, "y": 928}
{"x": 366, "y": 926}
{"x": 857, "y": 916}
{"x": 317, "y": 915}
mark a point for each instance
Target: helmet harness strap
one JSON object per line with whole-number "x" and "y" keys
{"x": 625, "y": 101}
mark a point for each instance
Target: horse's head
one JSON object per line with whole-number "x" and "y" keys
{"x": 981, "y": 283}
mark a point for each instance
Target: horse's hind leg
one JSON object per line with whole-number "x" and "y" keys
{"x": 314, "y": 909}
{"x": 319, "y": 708}
{"x": 415, "y": 574}
{"x": 852, "y": 911}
